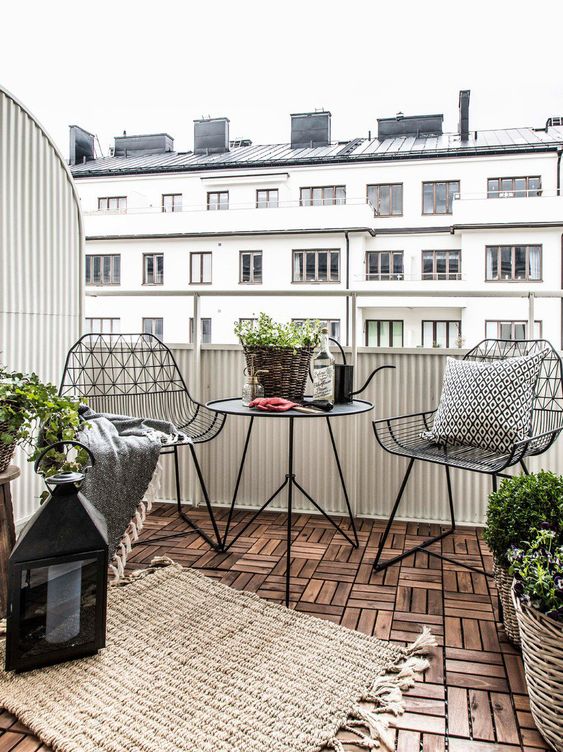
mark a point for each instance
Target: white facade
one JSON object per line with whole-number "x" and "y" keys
{"x": 352, "y": 229}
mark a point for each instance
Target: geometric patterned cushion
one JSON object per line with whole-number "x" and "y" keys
{"x": 487, "y": 405}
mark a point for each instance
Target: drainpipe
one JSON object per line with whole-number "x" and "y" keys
{"x": 559, "y": 154}
{"x": 347, "y": 236}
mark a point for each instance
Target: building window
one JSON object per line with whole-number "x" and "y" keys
{"x": 384, "y": 265}
{"x": 251, "y": 321}
{"x": 438, "y": 197}
{"x": 513, "y": 187}
{"x": 380, "y": 333}
{"x": 112, "y": 204}
{"x": 515, "y": 330}
{"x": 153, "y": 326}
{"x": 200, "y": 268}
{"x": 324, "y": 195}
{"x": 217, "y": 200}
{"x": 386, "y": 199}
{"x": 333, "y": 326}
{"x": 267, "y": 198}
{"x": 171, "y": 202}
{"x": 513, "y": 263}
{"x": 102, "y": 326}
{"x": 441, "y": 264}
{"x": 441, "y": 333}
{"x": 250, "y": 267}
{"x": 205, "y": 331}
{"x": 316, "y": 266}
{"x": 153, "y": 268}
{"x": 103, "y": 270}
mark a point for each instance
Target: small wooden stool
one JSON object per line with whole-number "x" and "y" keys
{"x": 7, "y": 532}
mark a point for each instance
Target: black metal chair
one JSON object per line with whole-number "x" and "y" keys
{"x": 136, "y": 374}
{"x": 404, "y": 435}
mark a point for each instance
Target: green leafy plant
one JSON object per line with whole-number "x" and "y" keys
{"x": 538, "y": 572}
{"x": 268, "y": 333}
{"x": 33, "y": 415}
{"x": 518, "y": 508}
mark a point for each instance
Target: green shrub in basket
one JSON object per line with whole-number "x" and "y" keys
{"x": 269, "y": 333}
{"x": 519, "y": 507}
{"x": 538, "y": 572}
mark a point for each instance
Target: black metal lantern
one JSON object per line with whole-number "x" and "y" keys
{"x": 57, "y": 578}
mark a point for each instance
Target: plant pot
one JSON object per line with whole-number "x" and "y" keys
{"x": 6, "y": 450}
{"x": 503, "y": 582}
{"x": 287, "y": 369}
{"x": 542, "y": 650}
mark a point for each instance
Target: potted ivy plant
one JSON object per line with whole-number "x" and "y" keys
{"x": 30, "y": 410}
{"x": 283, "y": 351}
{"x": 538, "y": 599}
{"x": 519, "y": 506}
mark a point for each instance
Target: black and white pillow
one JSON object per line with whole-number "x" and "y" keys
{"x": 487, "y": 405}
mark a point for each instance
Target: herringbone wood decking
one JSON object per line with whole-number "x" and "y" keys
{"x": 473, "y": 697}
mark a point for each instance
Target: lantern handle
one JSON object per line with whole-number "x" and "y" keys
{"x": 61, "y": 444}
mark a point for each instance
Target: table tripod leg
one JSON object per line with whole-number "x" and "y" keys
{"x": 290, "y": 478}
{"x": 237, "y": 484}
{"x": 342, "y": 482}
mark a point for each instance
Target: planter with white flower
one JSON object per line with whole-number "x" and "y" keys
{"x": 538, "y": 600}
{"x": 518, "y": 508}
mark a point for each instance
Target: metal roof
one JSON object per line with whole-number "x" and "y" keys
{"x": 507, "y": 141}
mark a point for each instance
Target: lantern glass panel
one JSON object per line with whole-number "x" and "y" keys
{"x": 57, "y": 606}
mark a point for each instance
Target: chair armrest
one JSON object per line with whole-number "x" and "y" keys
{"x": 551, "y": 434}
{"x": 424, "y": 415}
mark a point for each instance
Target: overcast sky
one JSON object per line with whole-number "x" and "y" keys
{"x": 149, "y": 67}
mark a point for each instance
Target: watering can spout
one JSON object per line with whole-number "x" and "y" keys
{"x": 344, "y": 378}
{"x": 369, "y": 378}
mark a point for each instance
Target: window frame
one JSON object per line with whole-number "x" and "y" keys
{"x": 384, "y": 321}
{"x": 513, "y": 279}
{"x": 113, "y": 319}
{"x": 268, "y": 205}
{"x": 315, "y": 281}
{"x": 201, "y": 254}
{"x": 174, "y": 208}
{"x": 89, "y": 257}
{"x": 527, "y": 178}
{"x": 378, "y": 186}
{"x": 498, "y": 322}
{"x": 324, "y": 202}
{"x": 434, "y": 183}
{"x": 435, "y": 276}
{"x": 392, "y": 276}
{"x": 153, "y": 319}
{"x": 107, "y": 199}
{"x": 328, "y": 323}
{"x": 191, "y": 330}
{"x": 219, "y": 206}
{"x": 434, "y": 322}
{"x": 154, "y": 256}
{"x": 253, "y": 255}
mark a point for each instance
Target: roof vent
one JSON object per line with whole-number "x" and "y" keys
{"x": 310, "y": 129}
{"x": 211, "y": 135}
{"x": 553, "y": 121}
{"x": 81, "y": 145}
{"x": 463, "y": 127}
{"x": 238, "y": 142}
{"x": 136, "y": 146}
{"x": 409, "y": 125}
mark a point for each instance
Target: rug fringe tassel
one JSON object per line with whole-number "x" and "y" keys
{"x": 386, "y": 695}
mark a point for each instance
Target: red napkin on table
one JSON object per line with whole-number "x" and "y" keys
{"x": 273, "y": 404}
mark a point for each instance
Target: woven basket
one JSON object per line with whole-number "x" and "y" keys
{"x": 6, "y": 450}
{"x": 542, "y": 650}
{"x": 503, "y": 582}
{"x": 287, "y": 369}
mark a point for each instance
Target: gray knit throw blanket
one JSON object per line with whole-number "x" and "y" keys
{"x": 126, "y": 450}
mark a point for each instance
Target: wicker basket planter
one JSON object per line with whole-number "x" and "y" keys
{"x": 542, "y": 650}
{"x": 287, "y": 369}
{"x": 6, "y": 450}
{"x": 503, "y": 582}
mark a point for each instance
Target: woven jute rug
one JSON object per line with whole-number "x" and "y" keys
{"x": 194, "y": 666}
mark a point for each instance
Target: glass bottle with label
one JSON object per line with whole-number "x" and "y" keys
{"x": 323, "y": 371}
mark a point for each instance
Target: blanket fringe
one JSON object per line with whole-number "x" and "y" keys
{"x": 386, "y": 698}
{"x": 131, "y": 534}
{"x": 156, "y": 563}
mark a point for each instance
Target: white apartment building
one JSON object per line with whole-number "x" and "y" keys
{"x": 417, "y": 221}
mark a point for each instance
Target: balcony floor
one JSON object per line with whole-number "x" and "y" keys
{"x": 473, "y": 697}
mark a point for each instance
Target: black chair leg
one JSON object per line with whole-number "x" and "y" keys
{"x": 377, "y": 567}
{"x": 219, "y": 542}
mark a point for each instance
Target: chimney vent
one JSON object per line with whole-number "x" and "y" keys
{"x": 464, "y": 114}
{"x": 137, "y": 146}
{"x": 81, "y": 145}
{"x": 310, "y": 129}
{"x": 211, "y": 135}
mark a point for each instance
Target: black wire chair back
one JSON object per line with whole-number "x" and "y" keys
{"x": 547, "y": 410}
{"x": 135, "y": 374}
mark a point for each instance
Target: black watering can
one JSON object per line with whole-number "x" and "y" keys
{"x": 344, "y": 379}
